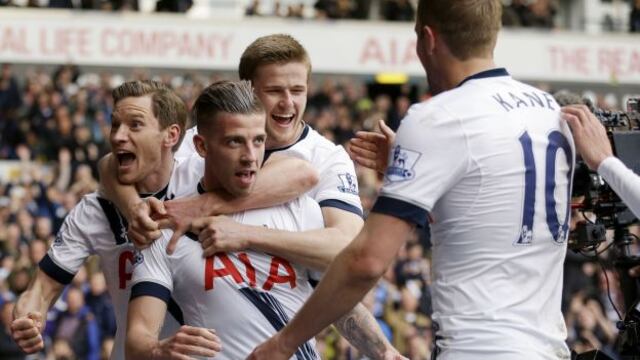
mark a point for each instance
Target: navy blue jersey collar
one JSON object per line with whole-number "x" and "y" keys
{"x": 486, "y": 74}
{"x": 304, "y": 134}
{"x": 159, "y": 195}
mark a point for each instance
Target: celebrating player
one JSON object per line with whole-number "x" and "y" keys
{"x": 147, "y": 126}
{"x": 246, "y": 295}
{"x": 279, "y": 67}
{"x": 491, "y": 163}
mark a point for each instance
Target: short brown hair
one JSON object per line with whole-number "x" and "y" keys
{"x": 166, "y": 105}
{"x": 469, "y": 27}
{"x": 271, "y": 49}
{"x": 233, "y": 97}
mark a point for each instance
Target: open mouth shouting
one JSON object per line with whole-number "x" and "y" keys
{"x": 126, "y": 159}
{"x": 283, "y": 119}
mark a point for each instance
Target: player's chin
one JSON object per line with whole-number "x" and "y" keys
{"x": 242, "y": 188}
{"x": 241, "y": 191}
{"x": 127, "y": 178}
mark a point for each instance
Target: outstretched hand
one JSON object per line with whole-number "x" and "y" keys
{"x": 589, "y": 135}
{"x": 371, "y": 149}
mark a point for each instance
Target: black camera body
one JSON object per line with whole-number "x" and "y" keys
{"x": 611, "y": 213}
{"x": 599, "y": 198}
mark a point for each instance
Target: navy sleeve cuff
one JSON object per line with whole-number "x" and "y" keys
{"x": 148, "y": 288}
{"x": 49, "y": 267}
{"x": 402, "y": 210}
{"x": 341, "y": 205}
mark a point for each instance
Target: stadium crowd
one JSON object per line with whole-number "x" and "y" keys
{"x": 55, "y": 126}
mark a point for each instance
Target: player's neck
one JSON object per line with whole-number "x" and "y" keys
{"x": 273, "y": 144}
{"x": 159, "y": 178}
{"x": 458, "y": 71}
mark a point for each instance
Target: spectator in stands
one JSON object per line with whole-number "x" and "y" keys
{"x": 99, "y": 301}
{"x": 634, "y": 17}
{"x": 530, "y": 13}
{"x": 398, "y": 10}
{"x": 173, "y": 5}
{"x": 10, "y": 98}
{"x": 407, "y": 323}
{"x": 78, "y": 327}
{"x": 335, "y": 9}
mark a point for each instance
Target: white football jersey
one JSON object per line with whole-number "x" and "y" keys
{"x": 246, "y": 296}
{"x": 338, "y": 185}
{"x": 492, "y": 163}
{"x": 96, "y": 227}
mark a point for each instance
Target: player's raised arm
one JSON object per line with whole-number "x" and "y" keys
{"x": 29, "y": 314}
{"x": 282, "y": 179}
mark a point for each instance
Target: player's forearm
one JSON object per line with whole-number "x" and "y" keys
{"x": 123, "y": 196}
{"x": 623, "y": 181}
{"x": 141, "y": 344}
{"x": 362, "y": 331}
{"x": 314, "y": 248}
{"x": 39, "y": 297}
{"x": 321, "y": 309}
{"x": 349, "y": 277}
{"x": 279, "y": 181}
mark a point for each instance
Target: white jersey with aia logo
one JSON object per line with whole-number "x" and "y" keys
{"x": 246, "y": 296}
{"x": 96, "y": 227}
{"x": 491, "y": 162}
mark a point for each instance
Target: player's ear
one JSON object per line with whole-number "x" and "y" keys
{"x": 172, "y": 135}
{"x": 200, "y": 145}
{"x": 429, "y": 37}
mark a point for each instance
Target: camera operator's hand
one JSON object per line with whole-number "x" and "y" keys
{"x": 589, "y": 135}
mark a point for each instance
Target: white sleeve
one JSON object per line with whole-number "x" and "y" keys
{"x": 429, "y": 157}
{"x": 72, "y": 245}
{"x": 623, "y": 181}
{"x": 338, "y": 184}
{"x": 186, "y": 175}
{"x": 187, "y": 147}
{"x": 152, "y": 274}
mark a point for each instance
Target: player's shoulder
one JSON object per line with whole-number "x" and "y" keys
{"x": 317, "y": 149}
{"x": 427, "y": 113}
{"x": 89, "y": 208}
{"x": 321, "y": 145}
{"x": 315, "y": 138}
{"x": 157, "y": 249}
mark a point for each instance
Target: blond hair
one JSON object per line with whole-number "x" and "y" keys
{"x": 271, "y": 49}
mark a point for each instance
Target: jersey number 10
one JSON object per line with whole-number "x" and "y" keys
{"x": 558, "y": 230}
